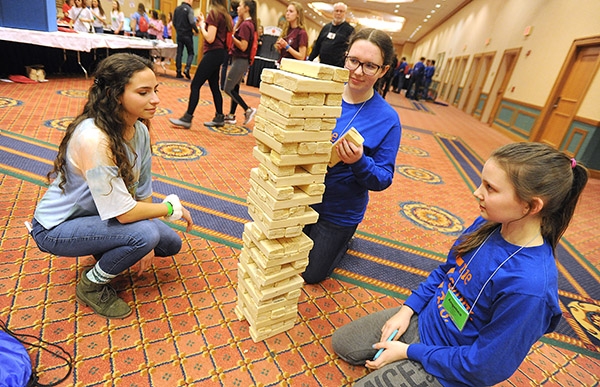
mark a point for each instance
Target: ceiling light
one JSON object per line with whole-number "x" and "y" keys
{"x": 391, "y": 24}
{"x": 389, "y": 1}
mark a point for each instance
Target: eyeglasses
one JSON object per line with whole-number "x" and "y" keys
{"x": 368, "y": 68}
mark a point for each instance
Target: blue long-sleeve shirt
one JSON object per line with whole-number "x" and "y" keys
{"x": 518, "y": 306}
{"x": 347, "y": 186}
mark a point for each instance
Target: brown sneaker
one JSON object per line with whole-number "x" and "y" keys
{"x": 102, "y": 298}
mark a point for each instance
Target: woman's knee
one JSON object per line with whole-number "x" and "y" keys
{"x": 145, "y": 234}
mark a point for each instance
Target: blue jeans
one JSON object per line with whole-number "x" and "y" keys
{"x": 116, "y": 246}
{"x": 330, "y": 246}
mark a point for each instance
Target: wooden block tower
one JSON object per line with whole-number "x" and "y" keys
{"x": 298, "y": 108}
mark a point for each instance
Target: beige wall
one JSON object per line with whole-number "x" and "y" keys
{"x": 555, "y": 24}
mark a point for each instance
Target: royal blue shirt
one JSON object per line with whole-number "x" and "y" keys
{"x": 518, "y": 305}
{"x": 347, "y": 186}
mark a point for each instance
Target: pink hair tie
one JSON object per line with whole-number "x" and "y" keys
{"x": 573, "y": 163}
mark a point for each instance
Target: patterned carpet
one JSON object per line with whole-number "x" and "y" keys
{"x": 184, "y": 330}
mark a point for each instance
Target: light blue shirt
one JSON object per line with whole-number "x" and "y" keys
{"x": 93, "y": 186}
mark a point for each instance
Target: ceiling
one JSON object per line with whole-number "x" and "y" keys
{"x": 420, "y": 16}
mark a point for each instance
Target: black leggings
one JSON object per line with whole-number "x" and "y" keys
{"x": 208, "y": 69}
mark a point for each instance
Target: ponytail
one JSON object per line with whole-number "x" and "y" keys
{"x": 537, "y": 170}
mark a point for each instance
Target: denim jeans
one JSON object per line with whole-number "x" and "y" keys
{"x": 116, "y": 246}
{"x": 330, "y": 245}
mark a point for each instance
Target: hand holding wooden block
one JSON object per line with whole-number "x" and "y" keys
{"x": 353, "y": 136}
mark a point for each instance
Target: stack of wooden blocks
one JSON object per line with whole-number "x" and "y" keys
{"x": 298, "y": 109}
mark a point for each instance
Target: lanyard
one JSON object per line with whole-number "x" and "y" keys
{"x": 491, "y": 275}
{"x": 343, "y": 132}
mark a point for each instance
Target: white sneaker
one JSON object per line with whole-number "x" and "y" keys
{"x": 230, "y": 119}
{"x": 249, "y": 115}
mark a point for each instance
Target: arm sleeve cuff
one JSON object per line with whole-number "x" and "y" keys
{"x": 416, "y": 351}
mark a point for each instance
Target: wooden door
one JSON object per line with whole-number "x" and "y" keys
{"x": 457, "y": 78}
{"x": 471, "y": 76}
{"x": 507, "y": 65}
{"x": 476, "y": 87}
{"x": 567, "y": 95}
{"x": 445, "y": 77}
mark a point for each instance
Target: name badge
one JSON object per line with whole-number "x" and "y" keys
{"x": 456, "y": 310}
{"x": 331, "y": 35}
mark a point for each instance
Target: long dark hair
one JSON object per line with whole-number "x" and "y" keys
{"x": 220, "y": 7}
{"x": 537, "y": 170}
{"x": 104, "y": 106}
{"x": 251, "y": 4}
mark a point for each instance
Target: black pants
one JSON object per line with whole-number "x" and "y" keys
{"x": 188, "y": 42}
{"x": 208, "y": 70}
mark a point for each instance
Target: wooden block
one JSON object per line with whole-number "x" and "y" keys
{"x": 264, "y": 280}
{"x": 273, "y": 214}
{"x": 315, "y": 70}
{"x": 302, "y": 84}
{"x": 267, "y": 75}
{"x": 281, "y": 94}
{"x": 290, "y": 136}
{"x": 300, "y": 177}
{"x": 264, "y": 159}
{"x": 313, "y": 189}
{"x": 287, "y": 123}
{"x": 261, "y": 335}
{"x": 262, "y": 147}
{"x": 301, "y": 111}
{"x": 333, "y": 99}
{"x": 277, "y": 251}
{"x": 276, "y": 233}
{"x": 254, "y": 311}
{"x": 316, "y": 169}
{"x": 308, "y": 217}
{"x": 287, "y": 160}
{"x": 277, "y": 193}
{"x": 299, "y": 198}
{"x": 353, "y": 136}
{"x": 254, "y": 232}
{"x": 265, "y": 298}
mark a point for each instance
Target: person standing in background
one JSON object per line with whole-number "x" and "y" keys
{"x": 234, "y": 19}
{"x": 332, "y": 42}
{"x": 135, "y": 22}
{"x": 117, "y": 18}
{"x": 81, "y": 17}
{"x": 214, "y": 31}
{"x": 99, "y": 17}
{"x": 156, "y": 27}
{"x": 429, "y": 73}
{"x": 293, "y": 41}
{"x": 243, "y": 38}
{"x": 401, "y": 75}
{"x": 185, "y": 26}
{"x": 168, "y": 25}
{"x": 416, "y": 80}
{"x": 67, "y": 5}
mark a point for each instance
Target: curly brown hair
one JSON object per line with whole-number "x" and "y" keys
{"x": 104, "y": 107}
